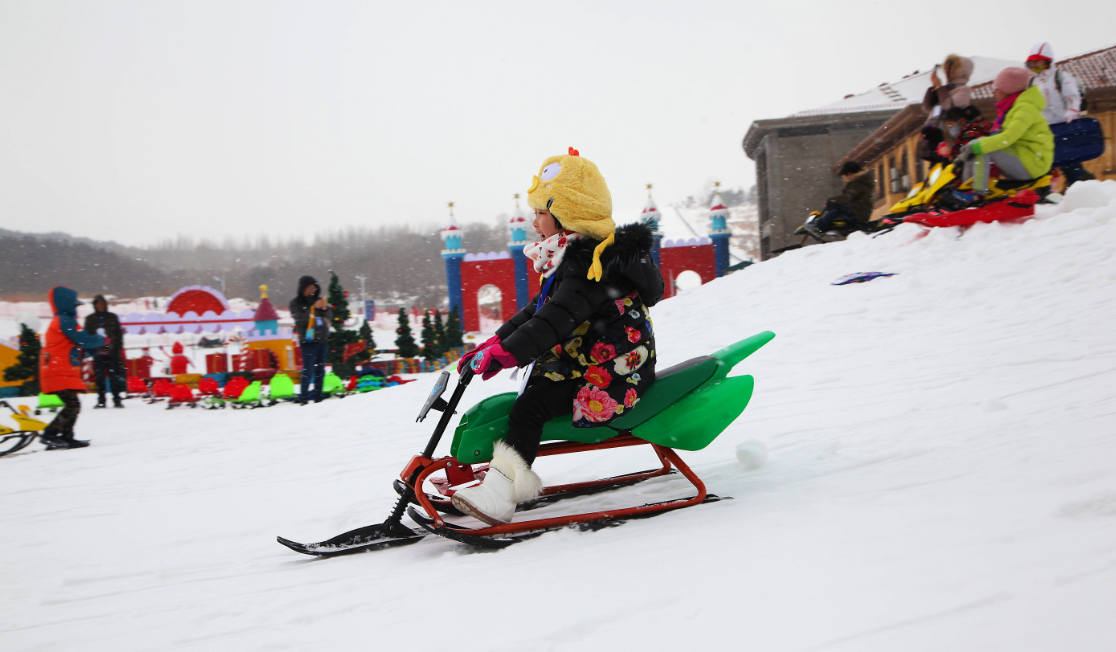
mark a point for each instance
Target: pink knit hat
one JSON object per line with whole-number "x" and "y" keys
{"x": 1012, "y": 80}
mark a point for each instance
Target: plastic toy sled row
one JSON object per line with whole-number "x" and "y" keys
{"x": 686, "y": 408}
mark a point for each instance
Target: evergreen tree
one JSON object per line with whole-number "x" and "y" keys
{"x": 339, "y": 338}
{"x": 430, "y": 345}
{"x": 366, "y": 336}
{"x": 440, "y": 332}
{"x": 404, "y": 339}
{"x": 453, "y": 330}
{"x": 338, "y": 302}
{"x": 27, "y": 362}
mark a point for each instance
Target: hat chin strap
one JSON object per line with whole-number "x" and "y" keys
{"x": 596, "y": 270}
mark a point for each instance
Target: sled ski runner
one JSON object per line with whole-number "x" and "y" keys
{"x": 686, "y": 408}
{"x": 550, "y": 495}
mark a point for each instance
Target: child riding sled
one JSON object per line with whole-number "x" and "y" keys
{"x": 587, "y": 335}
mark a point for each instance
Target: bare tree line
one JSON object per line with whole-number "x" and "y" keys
{"x": 404, "y": 265}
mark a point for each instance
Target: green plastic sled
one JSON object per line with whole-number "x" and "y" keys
{"x": 250, "y": 395}
{"x": 332, "y": 384}
{"x": 50, "y": 402}
{"x": 686, "y": 407}
{"x": 281, "y": 388}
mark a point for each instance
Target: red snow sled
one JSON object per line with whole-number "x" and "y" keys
{"x": 181, "y": 395}
{"x": 1017, "y": 207}
{"x": 160, "y": 389}
{"x": 136, "y": 387}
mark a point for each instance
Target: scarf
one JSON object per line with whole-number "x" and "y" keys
{"x": 1002, "y": 108}
{"x": 547, "y": 254}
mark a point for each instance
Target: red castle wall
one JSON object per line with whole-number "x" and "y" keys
{"x": 534, "y": 283}
{"x": 697, "y": 258}
{"x": 477, "y": 274}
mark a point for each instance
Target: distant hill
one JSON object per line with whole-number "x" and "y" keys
{"x": 404, "y": 265}
{"x": 31, "y": 265}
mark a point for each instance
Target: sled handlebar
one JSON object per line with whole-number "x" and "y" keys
{"x": 451, "y": 407}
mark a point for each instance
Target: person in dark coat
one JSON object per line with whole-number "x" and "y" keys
{"x": 939, "y": 99}
{"x": 854, "y": 204}
{"x": 60, "y": 367}
{"x": 587, "y": 335}
{"x": 311, "y": 317}
{"x": 964, "y": 125}
{"x": 107, "y": 366}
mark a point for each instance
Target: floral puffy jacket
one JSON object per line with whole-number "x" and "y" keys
{"x": 598, "y": 334}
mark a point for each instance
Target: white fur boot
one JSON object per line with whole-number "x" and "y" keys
{"x": 509, "y": 481}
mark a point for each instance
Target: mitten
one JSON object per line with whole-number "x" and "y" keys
{"x": 468, "y": 357}
{"x": 491, "y": 360}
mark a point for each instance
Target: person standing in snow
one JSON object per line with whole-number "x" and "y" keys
{"x": 1021, "y": 144}
{"x": 1063, "y": 99}
{"x": 587, "y": 335}
{"x": 311, "y": 317}
{"x": 60, "y": 367}
{"x": 107, "y": 367}
{"x": 940, "y": 98}
{"x": 854, "y": 204}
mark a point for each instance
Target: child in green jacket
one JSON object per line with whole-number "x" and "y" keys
{"x": 1021, "y": 146}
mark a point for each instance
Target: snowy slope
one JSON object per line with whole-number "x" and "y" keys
{"x": 942, "y": 475}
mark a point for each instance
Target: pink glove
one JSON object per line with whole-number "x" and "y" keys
{"x": 491, "y": 360}
{"x": 465, "y": 359}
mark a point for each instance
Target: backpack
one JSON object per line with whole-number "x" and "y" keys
{"x": 1084, "y": 105}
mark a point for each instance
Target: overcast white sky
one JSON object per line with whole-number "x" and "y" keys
{"x": 133, "y": 121}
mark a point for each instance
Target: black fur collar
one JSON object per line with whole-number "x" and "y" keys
{"x": 633, "y": 241}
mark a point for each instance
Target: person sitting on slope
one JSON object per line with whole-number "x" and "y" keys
{"x": 1021, "y": 145}
{"x": 964, "y": 125}
{"x": 587, "y": 335}
{"x": 853, "y": 204}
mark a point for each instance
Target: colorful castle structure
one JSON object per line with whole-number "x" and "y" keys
{"x": 193, "y": 309}
{"x": 510, "y": 270}
{"x": 267, "y": 335}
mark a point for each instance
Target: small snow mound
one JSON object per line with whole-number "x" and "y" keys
{"x": 752, "y": 454}
{"x": 1089, "y": 194}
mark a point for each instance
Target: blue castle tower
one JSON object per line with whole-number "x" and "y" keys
{"x": 651, "y": 213}
{"x": 453, "y": 254}
{"x": 719, "y": 232}
{"x": 517, "y": 225}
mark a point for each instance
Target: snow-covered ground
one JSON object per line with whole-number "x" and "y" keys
{"x": 941, "y": 476}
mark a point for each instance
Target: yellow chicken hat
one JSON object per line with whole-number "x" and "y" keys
{"x": 573, "y": 190}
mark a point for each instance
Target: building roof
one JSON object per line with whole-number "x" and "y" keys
{"x": 1094, "y": 70}
{"x": 888, "y": 135}
{"x": 805, "y": 125}
{"x": 908, "y": 90}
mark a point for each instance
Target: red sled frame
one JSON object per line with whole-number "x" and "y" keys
{"x": 458, "y": 473}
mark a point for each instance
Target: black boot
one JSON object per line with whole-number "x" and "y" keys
{"x": 117, "y": 402}
{"x": 100, "y": 401}
{"x": 54, "y": 439}
{"x": 74, "y": 443}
